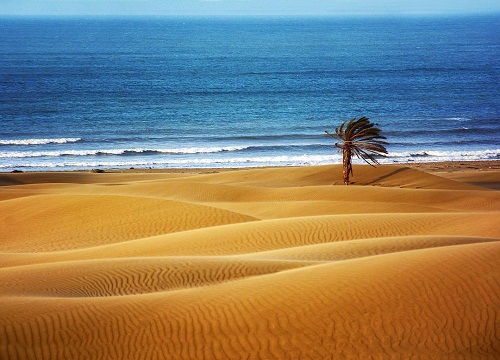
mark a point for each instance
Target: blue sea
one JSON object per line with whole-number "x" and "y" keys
{"x": 84, "y": 93}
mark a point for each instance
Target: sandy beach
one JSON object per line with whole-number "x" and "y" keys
{"x": 266, "y": 263}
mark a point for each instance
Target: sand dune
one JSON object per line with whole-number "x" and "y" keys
{"x": 129, "y": 276}
{"x": 274, "y": 263}
{"x": 107, "y": 219}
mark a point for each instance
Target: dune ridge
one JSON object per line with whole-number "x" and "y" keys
{"x": 272, "y": 263}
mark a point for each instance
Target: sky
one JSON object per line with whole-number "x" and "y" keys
{"x": 245, "y": 7}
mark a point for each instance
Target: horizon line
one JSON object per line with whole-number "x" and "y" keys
{"x": 350, "y": 15}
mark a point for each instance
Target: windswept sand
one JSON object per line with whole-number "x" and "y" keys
{"x": 273, "y": 263}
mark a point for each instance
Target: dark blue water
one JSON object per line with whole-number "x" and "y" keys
{"x": 186, "y": 92}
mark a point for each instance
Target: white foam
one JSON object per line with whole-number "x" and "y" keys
{"x": 39, "y": 141}
{"x": 436, "y": 155}
{"x": 30, "y": 154}
{"x": 200, "y": 150}
{"x": 203, "y": 162}
{"x": 91, "y": 152}
{"x": 69, "y": 163}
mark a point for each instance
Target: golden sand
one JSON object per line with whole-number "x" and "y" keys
{"x": 272, "y": 263}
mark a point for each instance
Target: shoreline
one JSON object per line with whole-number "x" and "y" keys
{"x": 439, "y": 166}
{"x": 484, "y": 174}
{"x": 454, "y": 166}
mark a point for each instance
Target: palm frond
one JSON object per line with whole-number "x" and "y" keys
{"x": 331, "y": 135}
{"x": 373, "y": 147}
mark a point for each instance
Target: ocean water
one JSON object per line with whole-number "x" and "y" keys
{"x": 83, "y": 93}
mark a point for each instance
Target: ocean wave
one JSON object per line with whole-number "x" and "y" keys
{"x": 168, "y": 151}
{"x": 401, "y": 143}
{"x": 284, "y": 160}
{"x": 270, "y": 137}
{"x": 446, "y": 155}
{"x": 461, "y": 119}
{"x": 126, "y": 152}
{"x": 246, "y": 161}
{"x": 39, "y": 141}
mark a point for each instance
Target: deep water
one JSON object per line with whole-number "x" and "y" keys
{"x": 79, "y": 93}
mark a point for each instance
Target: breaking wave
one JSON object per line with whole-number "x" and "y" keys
{"x": 25, "y": 142}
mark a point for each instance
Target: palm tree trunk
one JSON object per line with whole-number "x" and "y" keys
{"x": 347, "y": 163}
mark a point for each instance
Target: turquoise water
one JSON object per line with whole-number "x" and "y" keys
{"x": 193, "y": 92}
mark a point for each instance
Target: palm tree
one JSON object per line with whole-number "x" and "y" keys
{"x": 360, "y": 137}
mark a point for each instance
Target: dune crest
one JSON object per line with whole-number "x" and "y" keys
{"x": 274, "y": 263}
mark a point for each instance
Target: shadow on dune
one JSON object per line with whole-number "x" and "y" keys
{"x": 6, "y": 180}
{"x": 387, "y": 176}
